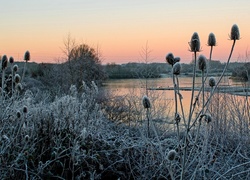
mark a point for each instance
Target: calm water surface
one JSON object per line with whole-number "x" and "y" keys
{"x": 123, "y": 87}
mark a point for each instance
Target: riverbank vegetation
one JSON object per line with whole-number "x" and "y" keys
{"x": 59, "y": 124}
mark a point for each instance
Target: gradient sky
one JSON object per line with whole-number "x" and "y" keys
{"x": 121, "y": 28}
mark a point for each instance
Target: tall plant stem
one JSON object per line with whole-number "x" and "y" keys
{"x": 189, "y": 119}
{"x": 203, "y": 92}
{"x": 181, "y": 104}
{"x": 207, "y": 72}
{"x": 148, "y": 120}
{"x": 175, "y": 96}
{"x": 176, "y": 118}
{"x": 223, "y": 73}
{"x": 216, "y": 86}
{"x": 192, "y": 95}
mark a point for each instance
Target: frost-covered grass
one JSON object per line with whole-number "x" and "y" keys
{"x": 76, "y": 135}
{"x": 71, "y": 138}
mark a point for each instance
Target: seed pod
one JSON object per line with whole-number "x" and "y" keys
{"x": 235, "y": 33}
{"x": 170, "y": 58}
{"x": 171, "y": 155}
{"x": 211, "y": 40}
{"x": 19, "y": 87}
{"x": 202, "y": 62}
{"x": 11, "y": 60}
{"x": 195, "y": 43}
{"x": 26, "y": 138}
{"x": 177, "y": 59}
{"x": 25, "y": 109}
{"x": 4, "y": 62}
{"x": 27, "y": 56}
{"x": 211, "y": 82}
{"x": 15, "y": 68}
{"x": 17, "y": 78}
{"x": 177, "y": 68}
{"x": 146, "y": 102}
{"x": 18, "y": 114}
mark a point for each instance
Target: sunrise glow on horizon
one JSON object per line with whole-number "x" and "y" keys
{"x": 122, "y": 28}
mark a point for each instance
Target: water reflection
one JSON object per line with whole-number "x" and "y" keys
{"x": 162, "y": 100}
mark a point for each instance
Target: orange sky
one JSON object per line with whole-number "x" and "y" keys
{"x": 121, "y": 28}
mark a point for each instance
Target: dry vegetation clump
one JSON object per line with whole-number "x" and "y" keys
{"x": 73, "y": 136}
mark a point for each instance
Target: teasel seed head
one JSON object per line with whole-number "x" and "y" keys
{"x": 146, "y": 102}
{"x": 17, "y": 78}
{"x": 11, "y": 60}
{"x": 26, "y": 138}
{"x": 27, "y": 56}
{"x": 177, "y": 59}
{"x": 195, "y": 43}
{"x": 171, "y": 155}
{"x": 211, "y": 81}
{"x": 211, "y": 40}
{"x": 25, "y": 109}
{"x": 235, "y": 33}
{"x": 19, "y": 87}
{"x": 18, "y": 114}
{"x": 202, "y": 62}
{"x": 170, "y": 58}
{"x": 177, "y": 68}
{"x": 15, "y": 68}
{"x": 4, "y": 62}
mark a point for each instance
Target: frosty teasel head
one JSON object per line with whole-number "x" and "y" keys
{"x": 202, "y": 62}
{"x": 146, "y": 102}
{"x": 235, "y": 33}
{"x": 19, "y": 87}
{"x": 11, "y": 60}
{"x": 195, "y": 43}
{"x": 26, "y": 138}
{"x": 17, "y": 78}
{"x": 15, "y": 68}
{"x": 177, "y": 59}
{"x": 4, "y": 62}
{"x": 211, "y": 82}
{"x": 177, "y": 68}
{"x": 170, "y": 58}
{"x": 211, "y": 40}
{"x": 171, "y": 155}
{"x": 25, "y": 109}
{"x": 18, "y": 114}
{"x": 27, "y": 56}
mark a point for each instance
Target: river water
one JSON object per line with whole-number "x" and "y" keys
{"x": 162, "y": 100}
{"x": 131, "y": 91}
